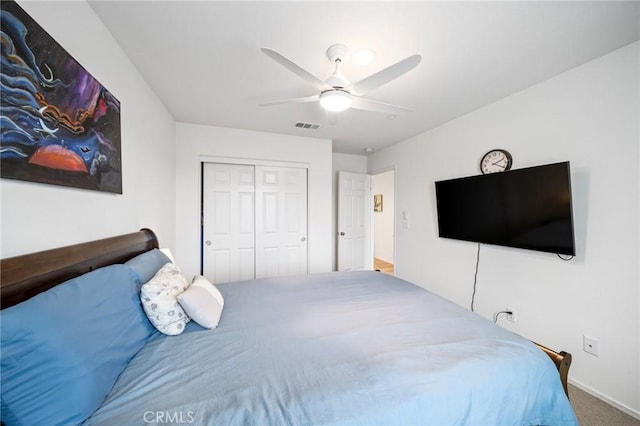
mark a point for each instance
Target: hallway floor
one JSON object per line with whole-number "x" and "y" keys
{"x": 383, "y": 266}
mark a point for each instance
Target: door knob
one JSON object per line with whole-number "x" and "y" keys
{"x": 342, "y": 234}
{"x": 208, "y": 242}
{"x": 303, "y": 239}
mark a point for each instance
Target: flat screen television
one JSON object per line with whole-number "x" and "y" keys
{"x": 527, "y": 208}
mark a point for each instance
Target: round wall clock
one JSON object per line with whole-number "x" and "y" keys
{"x": 496, "y": 160}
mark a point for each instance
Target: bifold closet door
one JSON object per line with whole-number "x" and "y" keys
{"x": 254, "y": 221}
{"x": 228, "y": 222}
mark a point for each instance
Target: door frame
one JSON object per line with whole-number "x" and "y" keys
{"x": 391, "y": 168}
{"x": 246, "y": 162}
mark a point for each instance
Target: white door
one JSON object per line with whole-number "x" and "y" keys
{"x": 281, "y": 221}
{"x": 228, "y": 222}
{"x": 254, "y": 221}
{"x": 355, "y": 209}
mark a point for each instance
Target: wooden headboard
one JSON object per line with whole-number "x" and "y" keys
{"x": 22, "y": 277}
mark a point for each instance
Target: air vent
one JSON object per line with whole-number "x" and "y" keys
{"x": 311, "y": 126}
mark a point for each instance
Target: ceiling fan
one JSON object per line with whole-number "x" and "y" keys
{"x": 336, "y": 93}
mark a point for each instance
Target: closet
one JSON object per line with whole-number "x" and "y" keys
{"x": 254, "y": 221}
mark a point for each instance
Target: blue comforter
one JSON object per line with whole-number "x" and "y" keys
{"x": 355, "y": 348}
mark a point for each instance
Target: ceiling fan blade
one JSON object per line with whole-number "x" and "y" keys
{"x": 369, "y": 105}
{"x": 384, "y": 76}
{"x": 297, "y": 70}
{"x": 313, "y": 98}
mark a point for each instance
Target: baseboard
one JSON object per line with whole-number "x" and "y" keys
{"x": 627, "y": 410}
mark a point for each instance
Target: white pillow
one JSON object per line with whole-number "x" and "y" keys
{"x": 203, "y": 302}
{"x": 200, "y": 281}
{"x": 159, "y": 301}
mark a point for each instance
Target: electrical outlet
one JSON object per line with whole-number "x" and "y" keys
{"x": 512, "y": 316}
{"x": 590, "y": 345}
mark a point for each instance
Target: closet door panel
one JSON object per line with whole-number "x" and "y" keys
{"x": 281, "y": 221}
{"x": 228, "y": 222}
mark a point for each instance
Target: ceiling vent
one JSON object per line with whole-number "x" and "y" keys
{"x": 311, "y": 126}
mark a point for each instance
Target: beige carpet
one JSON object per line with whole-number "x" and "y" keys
{"x": 593, "y": 412}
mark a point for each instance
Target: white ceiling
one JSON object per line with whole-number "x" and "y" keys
{"x": 203, "y": 58}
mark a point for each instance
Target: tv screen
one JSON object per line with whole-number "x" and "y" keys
{"x": 526, "y": 208}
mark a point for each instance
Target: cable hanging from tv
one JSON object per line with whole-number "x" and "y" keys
{"x": 475, "y": 282}
{"x": 475, "y": 278}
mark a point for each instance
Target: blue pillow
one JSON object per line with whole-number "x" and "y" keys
{"x": 147, "y": 264}
{"x": 63, "y": 349}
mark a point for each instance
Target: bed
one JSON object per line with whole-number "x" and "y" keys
{"x": 356, "y": 348}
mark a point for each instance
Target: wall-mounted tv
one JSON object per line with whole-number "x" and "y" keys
{"x": 527, "y": 208}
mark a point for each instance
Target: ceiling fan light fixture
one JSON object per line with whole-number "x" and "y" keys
{"x": 335, "y": 100}
{"x": 364, "y": 56}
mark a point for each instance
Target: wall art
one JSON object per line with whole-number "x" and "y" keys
{"x": 59, "y": 125}
{"x": 377, "y": 203}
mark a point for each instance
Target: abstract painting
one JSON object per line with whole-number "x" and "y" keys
{"x": 58, "y": 124}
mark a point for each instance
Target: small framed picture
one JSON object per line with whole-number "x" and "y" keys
{"x": 377, "y": 203}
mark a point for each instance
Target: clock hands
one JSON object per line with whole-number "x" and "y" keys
{"x": 496, "y": 163}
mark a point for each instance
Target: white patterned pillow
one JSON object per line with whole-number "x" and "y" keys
{"x": 159, "y": 300}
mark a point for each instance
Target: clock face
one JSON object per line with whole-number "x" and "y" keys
{"x": 496, "y": 160}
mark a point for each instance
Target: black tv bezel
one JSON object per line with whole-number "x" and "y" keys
{"x": 569, "y": 252}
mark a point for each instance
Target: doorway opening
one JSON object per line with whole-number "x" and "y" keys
{"x": 383, "y": 189}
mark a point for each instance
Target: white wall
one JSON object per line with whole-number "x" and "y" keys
{"x": 342, "y": 163}
{"x": 38, "y": 216}
{"x": 589, "y": 116}
{"x": 193, "y": 142}
{"x": 383, "y": 222}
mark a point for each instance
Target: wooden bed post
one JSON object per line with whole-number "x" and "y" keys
{"x": 562, "y": 360}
